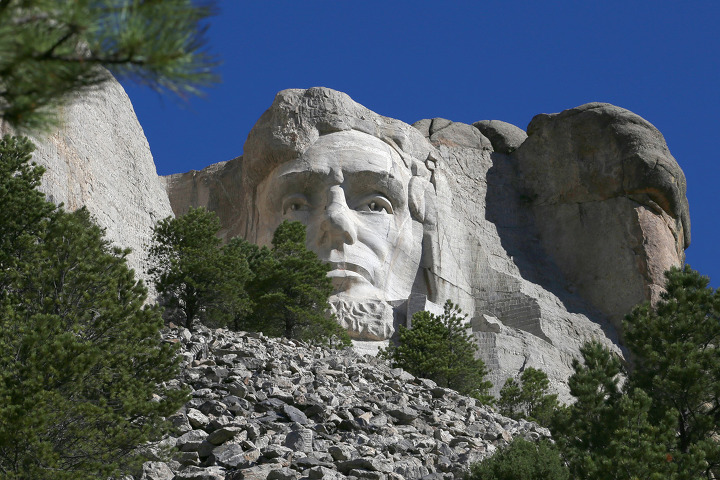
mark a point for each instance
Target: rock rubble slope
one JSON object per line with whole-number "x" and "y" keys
{"x": 283, "y": 409}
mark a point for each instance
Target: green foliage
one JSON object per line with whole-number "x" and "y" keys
{"x": 674, "y": 347}
{"x": 290, "y": 290}
{"x": 439, "y": 347}
{"x": 522, "y": 460}
{"x": 281, "y": 291}
{"x": 528, "y": 398}
{"x": 51, "y": 49}
{"x": 663, "y": 421}
{"x": 606, "y": 433}
{"x": 81, "y": 360}
{"x": 195, "y": 277}
{"x": 24, "y": 209}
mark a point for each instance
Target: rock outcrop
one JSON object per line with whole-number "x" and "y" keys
{"x": 545, "y": 239}
{"x": 283, "y": 409}
{"x": 100, "y": 159}
{"x": 609, "y": 202}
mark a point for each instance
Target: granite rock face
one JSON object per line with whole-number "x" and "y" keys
{"x": 609, "y": 202}
{"x": 100, "y": 159}
{"x": 283, "y": 409}
{"x": 544, "y": 240}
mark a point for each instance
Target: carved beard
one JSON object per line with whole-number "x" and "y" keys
{"x": 364, "y": 319}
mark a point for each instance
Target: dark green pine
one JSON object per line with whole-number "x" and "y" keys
{"x": 291, "y": 288}
{"x": 81, "y": 359}
{"x": 439, "y": 347}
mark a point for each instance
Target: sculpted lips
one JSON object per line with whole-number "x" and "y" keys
{"x": 345, "y": 269}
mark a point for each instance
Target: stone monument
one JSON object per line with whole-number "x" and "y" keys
{"x": 545, "y": 239}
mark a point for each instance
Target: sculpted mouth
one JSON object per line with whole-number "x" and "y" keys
{"x": 345, "y": 269}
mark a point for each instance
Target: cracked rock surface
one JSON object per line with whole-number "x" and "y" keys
{"x": 283, "y": 409}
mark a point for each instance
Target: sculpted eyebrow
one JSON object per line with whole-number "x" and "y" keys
{"x": 308, "y": 182}
{"x": 292, "y": 182}
{"x": 383, "y": 182}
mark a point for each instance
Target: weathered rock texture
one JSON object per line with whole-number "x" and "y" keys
{"x": 545, "y": 241}
{"x": 282, "y": 409}
{"x": 609, "y": 202}
{"x": 100, "y": 159}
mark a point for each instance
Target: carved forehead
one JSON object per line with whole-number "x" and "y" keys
{"x": 356, "y": 160}
{"x": 299, "y": 119}
{"x": 349, "y": 140}
{"x": 351, "y": 151}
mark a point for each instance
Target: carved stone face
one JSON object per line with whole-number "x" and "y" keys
{"x": 351, "y": 190}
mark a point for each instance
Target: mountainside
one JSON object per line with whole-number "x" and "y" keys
{"x": 544, "y": 237}
{"x": 101, "y": 159}
{"x": 278, "y": 408}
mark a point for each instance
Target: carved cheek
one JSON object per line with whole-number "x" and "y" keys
{"x": 380, "y": 233}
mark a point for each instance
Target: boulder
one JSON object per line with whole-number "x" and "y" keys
{"x": 505, "y": 137}
{"x": 609, "y": 202}
{"x": 417, "y": 432}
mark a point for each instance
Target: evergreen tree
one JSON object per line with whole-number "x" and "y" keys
{"x": 674, "y": 346}
{"x": 606, "y": 433}
{"x": 522, "y": 460}
{"x": 528, "y": 398}
{"x": 252, "y": 256}
{"x": 195, "y": 277}
{"x": 81, "y": 360}
{"x": 439, "y": 347}
{"x": 290, "y": 290}
{"x": 52, "y": 49}
{"x": 24, "y": 209}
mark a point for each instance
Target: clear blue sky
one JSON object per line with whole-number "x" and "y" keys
{"x": 465, "y": 61}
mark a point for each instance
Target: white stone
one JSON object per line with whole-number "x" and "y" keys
{"x": 101, "y": 159}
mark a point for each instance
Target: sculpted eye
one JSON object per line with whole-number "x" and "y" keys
{"x": 295, "y": 203}
{"x": 376, "y": 203}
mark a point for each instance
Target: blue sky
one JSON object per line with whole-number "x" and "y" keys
{"x": 464, "y": 61}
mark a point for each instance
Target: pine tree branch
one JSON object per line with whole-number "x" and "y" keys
{"x": 73, "y": 31}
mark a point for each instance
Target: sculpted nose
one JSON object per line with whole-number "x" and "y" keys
{"x": 337, "y": 225}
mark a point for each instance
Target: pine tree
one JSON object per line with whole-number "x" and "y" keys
{"x": 195, "y": 277}
{"x": 439, "y": 347}
{"x": 529, "y": 398}
{"x": 522, "y": 460}
{"x": 81, "y": 360}
{"x": 24, "y": 209}
{"x": 51, "y": 49}
{"x": 290, "y": 290}
{"x": 607, "y": 433}
{"x": 674, "y": 347}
